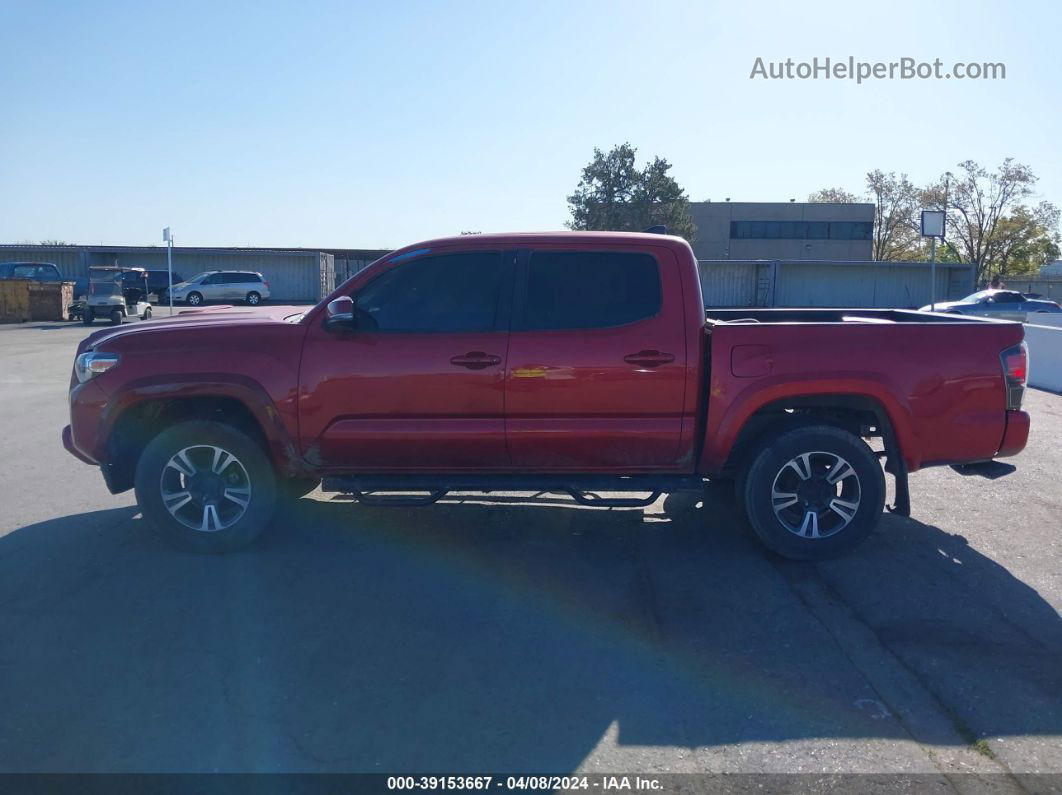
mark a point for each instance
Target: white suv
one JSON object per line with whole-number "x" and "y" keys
{"x": 226, "y": 286}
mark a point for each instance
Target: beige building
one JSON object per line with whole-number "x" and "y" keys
{"x": 783, "y": 230}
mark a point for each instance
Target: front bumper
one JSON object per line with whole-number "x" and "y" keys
{"x": 68, "y": 443}
{"x": 81, "y": 437}
{"x": 1016, "y": 434}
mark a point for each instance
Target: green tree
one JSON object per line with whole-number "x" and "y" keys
{"x": 614, "y": 194}
{"x": 1028, "y": 238}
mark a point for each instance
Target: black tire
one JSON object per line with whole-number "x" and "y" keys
{"x": 832, "y": 530}
{"x": 253, "y": 298}
{"x": 194, "y": 299}
{"x": 147, "y": 314}
{"x": 88, "y": 315}
{"x": 116, "y": 317}
{"x": 228, "y": 529}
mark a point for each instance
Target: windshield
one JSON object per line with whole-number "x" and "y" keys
{"x": 198, "y": 277}
{"x": 105, "y": 276}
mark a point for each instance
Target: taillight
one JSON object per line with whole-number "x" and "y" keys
{"x": 1015, "y": 363}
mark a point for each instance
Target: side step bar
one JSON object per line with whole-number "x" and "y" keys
{"x": 365, "y": 488}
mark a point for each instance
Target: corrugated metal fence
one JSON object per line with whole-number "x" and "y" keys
{"x": 345, "y": 268}
{"x": 829, "y": 283}
{"x": 293, "y": 275}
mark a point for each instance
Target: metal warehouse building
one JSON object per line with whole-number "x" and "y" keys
{"x": 830, "y": 283}
{"x": 293, "y": 274}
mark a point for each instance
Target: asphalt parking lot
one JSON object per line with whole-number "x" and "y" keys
{"x": 521, "y": 635}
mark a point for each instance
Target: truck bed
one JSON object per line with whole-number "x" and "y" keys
{"x": 805, "y": 316}
{"x": 940, "y": 386}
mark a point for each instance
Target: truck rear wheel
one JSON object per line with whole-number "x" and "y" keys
{"x": 812, "y": 492}
{"x": 206, "y": 486}
{"x": 88, "y": 314}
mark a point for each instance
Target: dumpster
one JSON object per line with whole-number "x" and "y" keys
{"x": 50, "y": 300}
{"x": 14, "y": 300}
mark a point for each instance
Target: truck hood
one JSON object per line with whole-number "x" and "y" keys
{"x": 194, "y": 319}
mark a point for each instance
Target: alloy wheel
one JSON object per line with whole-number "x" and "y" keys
{"x": 205, "y": 488}
{"x": 816, "y": 494}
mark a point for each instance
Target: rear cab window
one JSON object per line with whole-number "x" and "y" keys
{"x": 588, "y": 289}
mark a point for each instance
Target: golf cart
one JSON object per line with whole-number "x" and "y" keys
{"x": 115, "y": 295}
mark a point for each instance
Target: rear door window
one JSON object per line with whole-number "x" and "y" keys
{"x": 580, "y": 290}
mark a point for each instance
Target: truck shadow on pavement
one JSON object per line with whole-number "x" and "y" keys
{"x": 475, "y": 636}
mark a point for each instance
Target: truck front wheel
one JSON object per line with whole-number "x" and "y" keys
{"x": 206, "y": 486}
{"x": 812, "y": 492}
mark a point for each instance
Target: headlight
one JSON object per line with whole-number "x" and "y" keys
{"x": 90, "y": 364}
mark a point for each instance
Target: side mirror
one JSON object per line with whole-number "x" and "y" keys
{"x": 340, "y": 314}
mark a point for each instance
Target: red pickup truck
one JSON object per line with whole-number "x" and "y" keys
{"x": 576, "y": 362}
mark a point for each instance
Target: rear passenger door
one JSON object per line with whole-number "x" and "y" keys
{"x": 232, "y": 286}
{"x": 597, "y": 361}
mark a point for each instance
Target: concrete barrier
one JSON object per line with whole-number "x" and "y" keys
{"x": 1045, "y": 352}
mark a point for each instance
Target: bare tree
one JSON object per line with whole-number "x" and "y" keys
{"x": 834, "y": 196}
{"x": 896, "y": 202}
{"x": 986, "y": 211}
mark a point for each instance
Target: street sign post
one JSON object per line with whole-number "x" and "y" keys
{"x": 167, "y": 237}
{"x": 933, "y": 227}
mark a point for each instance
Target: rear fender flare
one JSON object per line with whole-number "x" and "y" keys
{"x": 721, "y": 435}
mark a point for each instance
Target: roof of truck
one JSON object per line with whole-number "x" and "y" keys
{"x": 523, "y": 239}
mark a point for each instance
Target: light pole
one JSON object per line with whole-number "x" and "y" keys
{"x": 167, "y": 236}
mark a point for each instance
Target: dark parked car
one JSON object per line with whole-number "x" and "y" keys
{"x": 1003, "y": 304}
{"x": 158, "y": 282}
{"x": 38, "y": 271}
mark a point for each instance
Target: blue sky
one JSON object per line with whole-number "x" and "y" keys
{"x": 377, "y": 124}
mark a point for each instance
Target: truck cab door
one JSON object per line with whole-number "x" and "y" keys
{"x": 597, "y": 368}
{"x": 419, "y": 382}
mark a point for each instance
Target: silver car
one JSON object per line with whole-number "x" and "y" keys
{"x": 227, "y": 286}
{"x": 1003, "y": 304}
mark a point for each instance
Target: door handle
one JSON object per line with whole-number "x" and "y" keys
{"x": 649, "y": 358}
{"x": 476, "y": 360}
